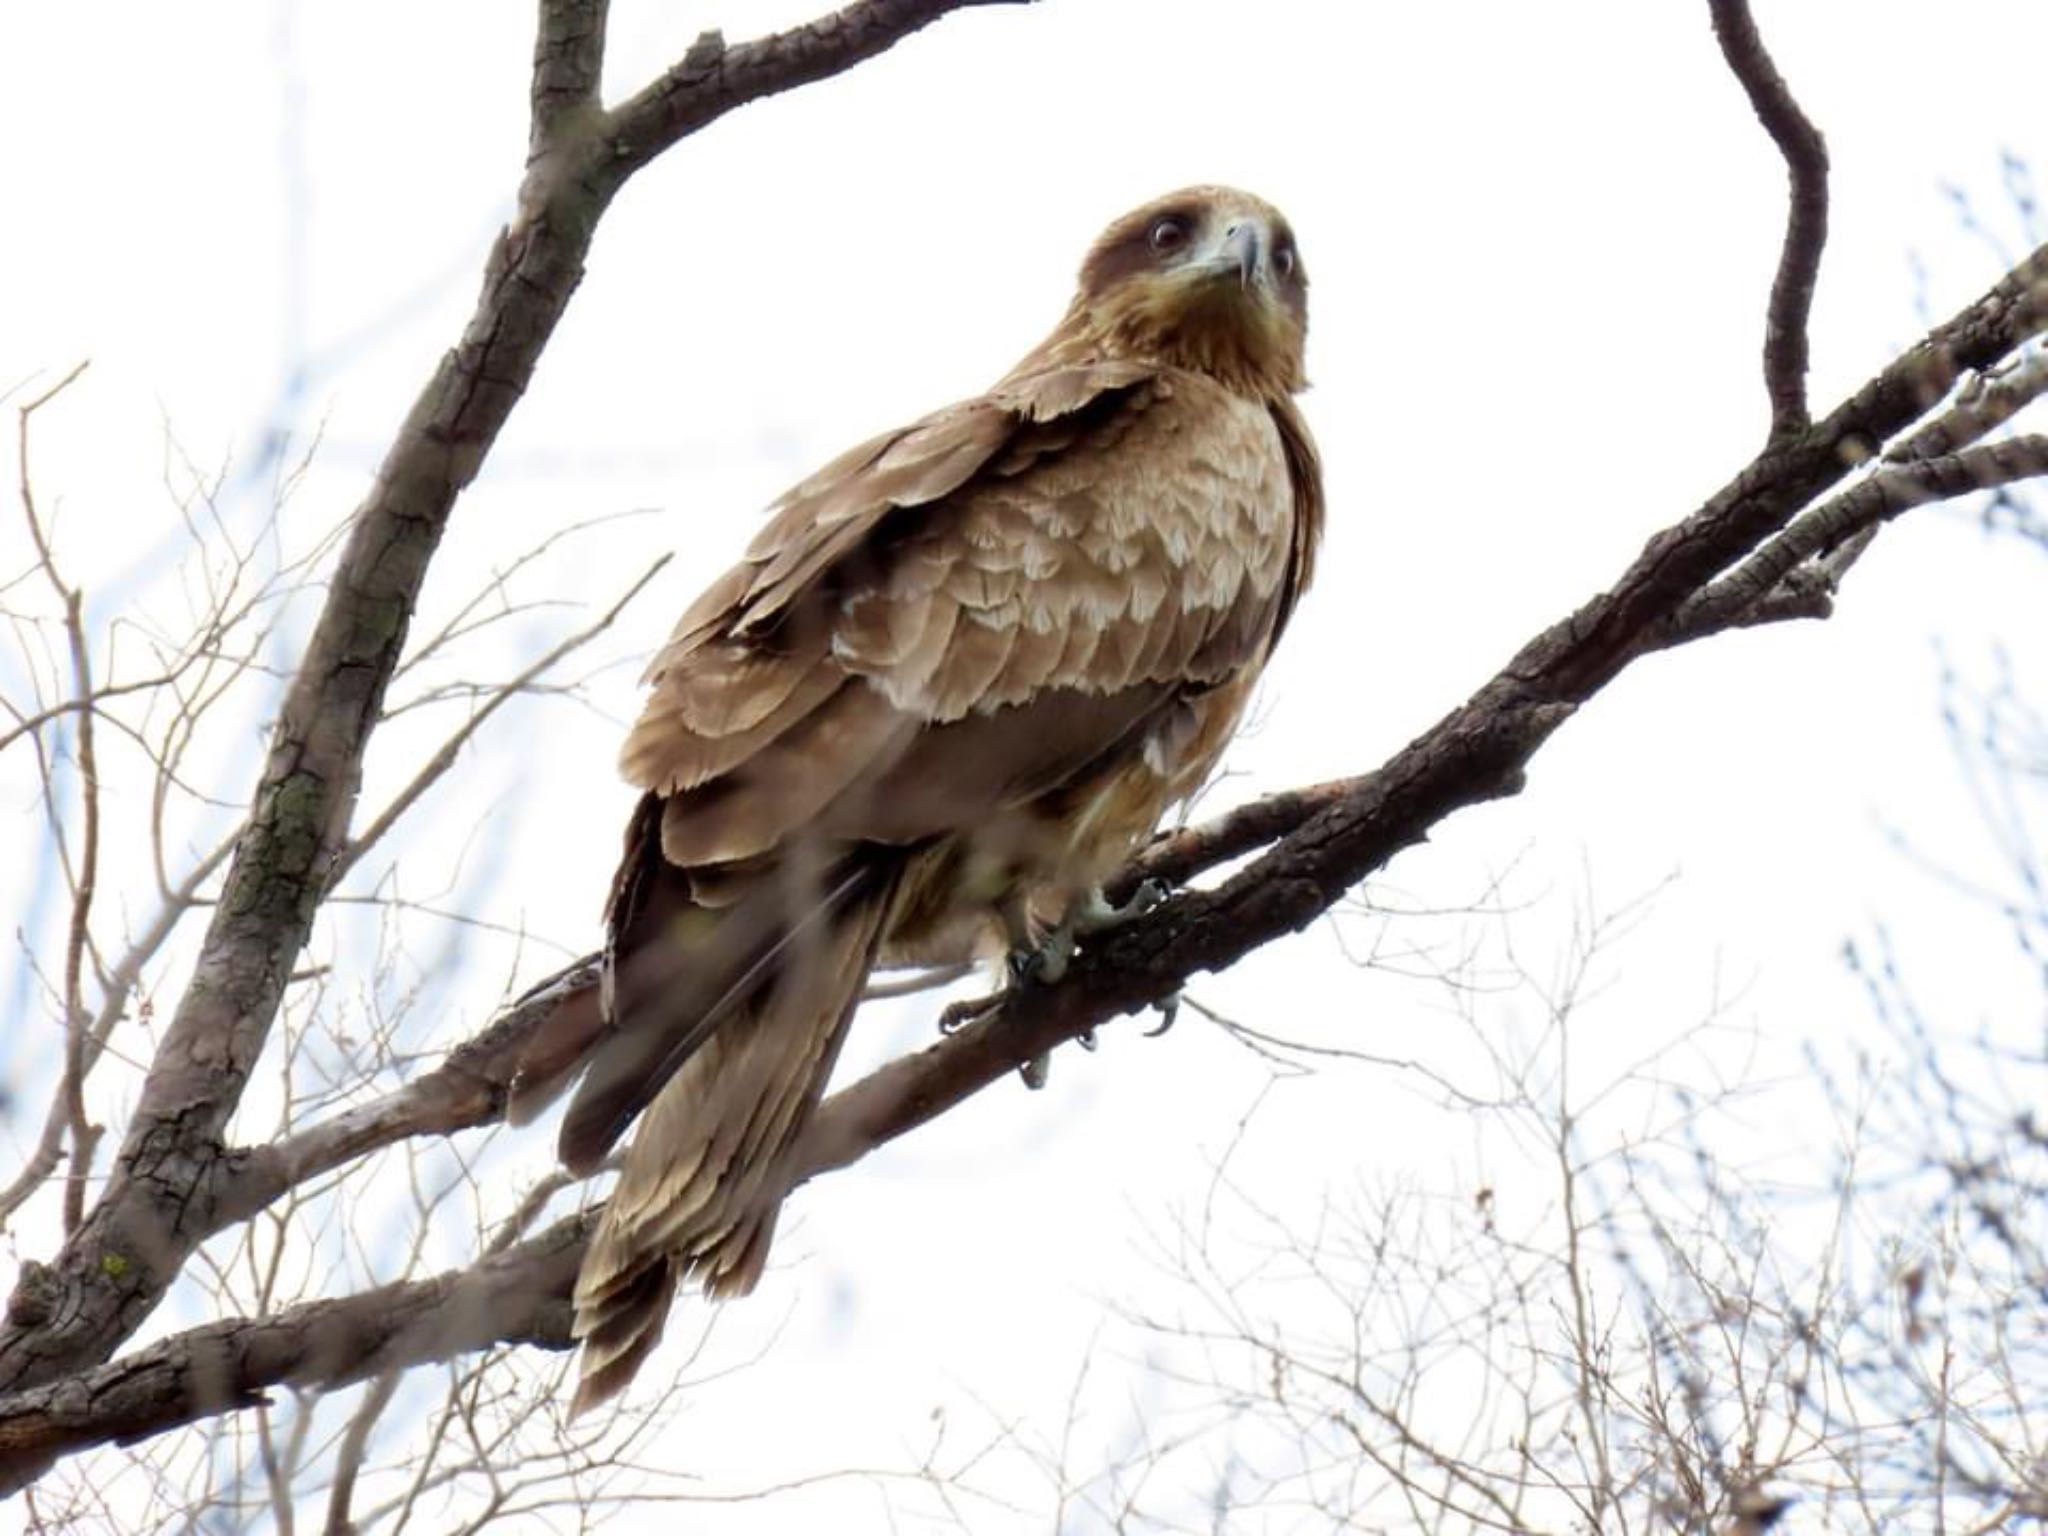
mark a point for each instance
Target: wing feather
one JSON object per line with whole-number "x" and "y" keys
{"x": 1057, "y": 537}
{"x": 750, "y": 809}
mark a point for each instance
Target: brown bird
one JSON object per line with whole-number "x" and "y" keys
{"x": 952, "y": 685}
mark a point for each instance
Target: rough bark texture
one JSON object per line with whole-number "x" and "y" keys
{"x": 518, "y": 1296}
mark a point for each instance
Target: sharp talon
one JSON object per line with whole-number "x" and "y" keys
{"x": 1095, "y": 913}
{"x": 1169, "y": 1010}
{"x": 1086, "y": 1039}
{"x": 1036, "y": 1071}
{"x": 955, "y": 1017}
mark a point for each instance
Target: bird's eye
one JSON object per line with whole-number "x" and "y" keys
{"x": 1283, "y": 262}
{"x": 1168, "y": 234}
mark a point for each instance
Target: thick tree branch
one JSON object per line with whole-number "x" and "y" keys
{"x": 518, "y": 1296}
{"x": 1806, "y": 217}
{"x": 161, "y": 1197}
{"x": 568, "y": 70}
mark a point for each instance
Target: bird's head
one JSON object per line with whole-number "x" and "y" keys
{"x": 1208, "y": 279}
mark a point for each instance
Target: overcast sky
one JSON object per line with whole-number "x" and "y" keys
{"x": 1539, "y": 238}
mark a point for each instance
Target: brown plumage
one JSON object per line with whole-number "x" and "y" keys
{"x": 954, "y": 682}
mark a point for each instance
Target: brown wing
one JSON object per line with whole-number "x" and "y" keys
{"x": 988, "y": 598}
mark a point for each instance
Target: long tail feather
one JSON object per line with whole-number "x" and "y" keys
{"x": 708, "y": 1167}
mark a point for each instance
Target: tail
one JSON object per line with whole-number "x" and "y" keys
{"x": 726, "y": 1020}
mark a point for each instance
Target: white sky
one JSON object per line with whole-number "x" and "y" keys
{"x": 1540, "y": 238}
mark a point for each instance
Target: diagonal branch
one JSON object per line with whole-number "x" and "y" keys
{"x": 1806, "y": 217}
{"x": 518, "y": 1296}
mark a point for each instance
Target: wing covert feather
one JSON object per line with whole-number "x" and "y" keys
{"x": 1057, "y": 536}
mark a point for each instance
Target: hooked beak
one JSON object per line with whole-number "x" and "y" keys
{"x": 1243, "y": 251}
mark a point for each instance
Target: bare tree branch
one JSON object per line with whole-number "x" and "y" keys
{"x": 568, "y": 71}
{"x": 712, "y": 78}
{"x": 1806, "y": 219}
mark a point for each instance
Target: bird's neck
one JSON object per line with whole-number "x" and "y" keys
{"x": 1236, "y": 346}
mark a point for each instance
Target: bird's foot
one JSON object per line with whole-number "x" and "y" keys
{"x": 1047, "y": 962}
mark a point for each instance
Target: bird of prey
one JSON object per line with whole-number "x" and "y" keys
{"x": 951, "y": 686}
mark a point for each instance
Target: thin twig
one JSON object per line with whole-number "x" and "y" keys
{"x": 445, "y": 756}
{"x": 85, "y": 876}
